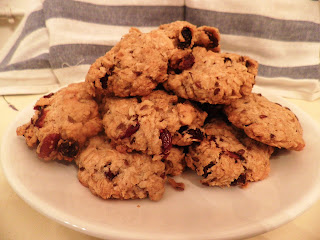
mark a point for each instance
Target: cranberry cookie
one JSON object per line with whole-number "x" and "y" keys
{"x": 227, "y": 157}
{"x": 62, "y": 123}
{"x": 111, "y": 174}
{"x": 139, "y": 62}
{"x": 266, "y": 122}
{"x": 149, "y": 125}
{"x": 206, "y": 76}
{"x": 133, "y": 67}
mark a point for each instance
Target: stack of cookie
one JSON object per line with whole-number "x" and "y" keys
{"x": 156, "y": 104}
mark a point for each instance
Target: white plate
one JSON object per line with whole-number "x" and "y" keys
{"x": 199, "y": 212}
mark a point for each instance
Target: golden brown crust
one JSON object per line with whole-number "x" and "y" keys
{"x": 138, "y": 126}
{"x": 216, "y": 78}
{"x": 266, "y": 122}
{"x": 226, "y": 157}
{"x": 111, "y": 174}
{"x": 62, "y": 122}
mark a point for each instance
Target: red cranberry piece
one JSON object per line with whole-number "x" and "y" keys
{"x": 227, "y": 59}
{"x": 187, "y": 35}
{"x": 196, "y": 134}
{"x": 104, "y": 81}
{"x": 166, "y": 139}
{"x": 263, "y": 116}
{"x": 49, "y": 95}
{"x": 206, "y": 168}
{"x": 241, "y": 180}
{"x": 40, "y": 121}
{"x": 69, "y": 148}
{"x": 235, "y": 155}
{"x": 216, "y": 91}
{"x": 214, "y": 41}
{"x": 182, "y": 64}
{"x": 130, "y": 131}
{"x": 110, "y": 175}
{"x": 49, "y": 144}
{"x": 182, "y": 129}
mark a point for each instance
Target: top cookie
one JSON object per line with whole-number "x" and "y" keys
{"x": 206, "y": 76}
{"x": 62, "y": 123}
{"x": 139, "y": 62}
{"x": 133, "y": 67}
{"x": 266, "y": 122}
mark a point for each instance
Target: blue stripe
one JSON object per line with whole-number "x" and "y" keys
{"x": 34, "y": 21}
{"x": 251, "y": 25}
{"x": 113, "y": 15}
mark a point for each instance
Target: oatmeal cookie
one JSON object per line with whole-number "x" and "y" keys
{"x": 149, "y": 125}
{"x": 206, "y": 76}
{"x": 62, "y": 122}
{"x": 227, "y": 157}
{"x": 133, "y": 67}
{"x": 266, "y": 122}
{"x": 111, "y": 174}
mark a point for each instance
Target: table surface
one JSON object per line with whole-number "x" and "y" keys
{"x": 18, "y": 221}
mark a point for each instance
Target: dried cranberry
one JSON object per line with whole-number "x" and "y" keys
{"x": 110, "y": 175}
{"x": 214, "y": 139}
{"x": 196, "y": 134}
{"x": 49, "y": 144}
{"x": 182, "y": 64}
{"x": 241, "y": 152}
{"x": 166, "y": 139}
{"x": 187, "y": 35}
{"x": 216, "y": 91}
{"x": 104, "y": 81}
{"x": 214, "y": 41}
{"x": 187, "y": 62}
{"x": 49, "y": 95}
{"x": 235, "y": 155}
{"x": 40, "y": 121}
{"x": 226, "y": 59}
{"x": 131, "y": 130}
{"x": 206, "y": 168}
{"x": 182, "y": 129}
{"x": 241, "y": 180}
{"x": 69, "y": 148}
{"x": 37, "y": 107}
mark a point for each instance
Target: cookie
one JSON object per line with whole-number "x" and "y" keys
{"x": 148, "y": 124}
{"x": 133, "y": 67}
{"x": 226, "y": 157}
{"x": 266, "y": 122}
{"x": 139, "y": 61}
{"x": 111, "y": 174}
{"x": 62, "y": 122}
{"x": 209, "y": 77}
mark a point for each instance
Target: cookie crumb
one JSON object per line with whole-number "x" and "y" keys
{"x": 177, "y": 186}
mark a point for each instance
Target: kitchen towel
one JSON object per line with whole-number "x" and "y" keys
{"x": 58, "y": 39}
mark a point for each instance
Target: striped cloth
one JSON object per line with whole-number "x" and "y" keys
{"x": 59, "y": 39}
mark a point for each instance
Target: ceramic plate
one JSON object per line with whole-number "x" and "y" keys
{"x": 198, "y": 212}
